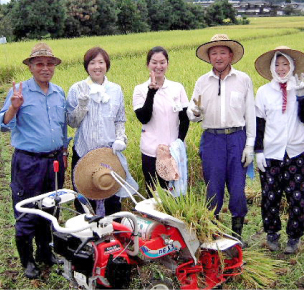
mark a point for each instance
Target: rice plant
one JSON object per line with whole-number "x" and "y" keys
{"x": 193, "y": 210}
{"x": 260, "y": 271}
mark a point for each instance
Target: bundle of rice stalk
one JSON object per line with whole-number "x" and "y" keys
{"x": 193, "y": 210}
{"x": 259, "y": 271}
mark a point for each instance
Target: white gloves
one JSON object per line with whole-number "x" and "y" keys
{"x": 261, "y": 161}
{"x": 83, "y": 100}
{"x": 83, "y": 97}
{"x": 299, "y": 85}
{"x": 118, "y": 146}
{"x": 247, "y": 156}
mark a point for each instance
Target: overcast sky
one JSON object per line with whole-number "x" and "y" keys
{"x": 4, "y": 1}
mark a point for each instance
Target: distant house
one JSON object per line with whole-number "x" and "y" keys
{"x": 2, "y": 39}
{"x": 257, "y": 8}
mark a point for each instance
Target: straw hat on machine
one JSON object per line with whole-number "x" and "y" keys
{"x": 92, "y": 174}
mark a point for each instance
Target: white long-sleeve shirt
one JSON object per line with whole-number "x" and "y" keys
{"x": 234, "y": 107}
{"x": 284, "y": 132}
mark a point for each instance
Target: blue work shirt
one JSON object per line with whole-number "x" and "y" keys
{"x": 40, "y": 124}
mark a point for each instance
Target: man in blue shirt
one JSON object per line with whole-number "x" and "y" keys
{"x": 34, "y": 111}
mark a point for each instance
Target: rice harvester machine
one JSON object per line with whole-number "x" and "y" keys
{"x": 102, "y": 252}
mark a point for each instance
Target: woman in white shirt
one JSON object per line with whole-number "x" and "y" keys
{"x": 279, "y": 144}
{"x": 160, "y": 105}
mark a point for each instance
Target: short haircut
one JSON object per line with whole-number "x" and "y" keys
{"x": 92, "y": 53}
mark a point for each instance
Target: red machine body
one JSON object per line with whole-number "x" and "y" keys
{"x": 165, "y": 244}
{"x": 105, "y": 253}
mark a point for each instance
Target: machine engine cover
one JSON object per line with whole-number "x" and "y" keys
{"x": 66, "y": 246}
{"x": 118, "y": 272}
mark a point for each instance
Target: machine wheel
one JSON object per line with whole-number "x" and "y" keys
{"x": 154, "y": 275}
{"x": 160, "y": 284}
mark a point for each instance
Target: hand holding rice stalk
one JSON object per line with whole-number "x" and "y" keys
{"x": 197, "y": 110}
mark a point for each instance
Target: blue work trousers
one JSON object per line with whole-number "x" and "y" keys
{"x": 31, "y": 176}
{"x": 221, "y": 156}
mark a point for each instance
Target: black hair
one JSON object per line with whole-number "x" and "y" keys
{"x": 157, "y": 49}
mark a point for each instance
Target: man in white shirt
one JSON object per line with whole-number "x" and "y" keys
{"x": 223, "y": 100}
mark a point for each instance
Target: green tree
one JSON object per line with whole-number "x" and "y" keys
{"x": 159, "y": 15}
{"x": 5, "y": 21}
{"x": 180, "y": 14}
{"x": 199, "y": 17}
{"x": 144, "y": 14}
{"x": 38, "y": 19}
{"x": 130, "y": 17}
{"x": 185, "y": 15}
{"x": 105, "y": 20}
{"x": 93, "y": 17}
{"x": 220, "y": 11}
{"x": 79, "y": 17}
{"x": 174, "y": 15}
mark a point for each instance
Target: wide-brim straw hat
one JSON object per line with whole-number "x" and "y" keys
{"x": 92, "y": 174}
{"x": 221, "y": 40}
{"x": 262, "y": 63}
{"x": 39, "y": 50}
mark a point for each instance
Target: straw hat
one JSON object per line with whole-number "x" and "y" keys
{"x": 221, "y": 40}
{"x": 41, "y": 49}
{"x": 262, "y": 63}
{"x": 92, "y": 174}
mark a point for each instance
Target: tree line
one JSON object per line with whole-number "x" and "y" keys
{"x": 39, "y": 19}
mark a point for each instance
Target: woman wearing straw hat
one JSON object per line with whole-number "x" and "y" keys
{"x": 95, "y": 106}
{"x": 279, "y": 144}
{"x": 160, "y": 105}
{"x": 223, "y": 100}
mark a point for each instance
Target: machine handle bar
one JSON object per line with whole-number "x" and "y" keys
{"x": 20, "y": 206}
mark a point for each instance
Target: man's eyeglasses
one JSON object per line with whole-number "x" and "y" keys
{"x": 42, "y": 65}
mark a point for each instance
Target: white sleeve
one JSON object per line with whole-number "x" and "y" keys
{"x": 75, "y": 113}
{"x": 250, "y": 119}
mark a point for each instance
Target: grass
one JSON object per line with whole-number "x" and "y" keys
{"x": 128, "y": 69}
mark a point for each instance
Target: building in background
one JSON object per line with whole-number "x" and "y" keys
{"x": 259, "y": 8}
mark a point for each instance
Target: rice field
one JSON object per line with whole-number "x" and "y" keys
{"x": 128, "y": 63}
{"x": 128, "y": 58}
